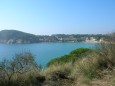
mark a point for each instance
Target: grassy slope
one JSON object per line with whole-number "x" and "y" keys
{"x": 95, "y": 69}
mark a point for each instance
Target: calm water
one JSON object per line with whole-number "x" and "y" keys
{"x": 43, "y": 52}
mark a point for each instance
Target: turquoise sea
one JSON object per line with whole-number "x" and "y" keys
{"x": 43, "y": 52}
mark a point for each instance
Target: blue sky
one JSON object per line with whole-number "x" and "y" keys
{"x": 58, "y": 16}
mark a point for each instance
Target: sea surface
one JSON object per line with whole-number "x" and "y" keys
{"x": 43, "y": 52}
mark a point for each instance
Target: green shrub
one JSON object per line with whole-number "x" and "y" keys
{"x": 80, "y": 52}
{"x": 72, "y": 56}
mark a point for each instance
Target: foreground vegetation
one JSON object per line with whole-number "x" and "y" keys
{"x": 81, "y": 67}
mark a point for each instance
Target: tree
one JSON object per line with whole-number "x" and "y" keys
{"x": 20, "y": 64}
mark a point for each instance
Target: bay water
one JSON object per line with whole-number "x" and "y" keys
{"x": 43, "y": 52}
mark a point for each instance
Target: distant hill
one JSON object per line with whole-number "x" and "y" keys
{"x": 14, "y": 36}
{"x": 19, "y": 37}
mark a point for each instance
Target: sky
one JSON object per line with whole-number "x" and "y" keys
{"x": 46, "y": 17}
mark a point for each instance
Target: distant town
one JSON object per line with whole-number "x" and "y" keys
{"x": 18, "y": 37}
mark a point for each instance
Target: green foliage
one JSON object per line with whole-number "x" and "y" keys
{"x": 78, "y": 53}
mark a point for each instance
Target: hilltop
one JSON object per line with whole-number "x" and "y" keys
{"x": 14, "y": 36}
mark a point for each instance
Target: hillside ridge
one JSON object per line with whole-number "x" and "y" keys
{"x": 19, "y": 37}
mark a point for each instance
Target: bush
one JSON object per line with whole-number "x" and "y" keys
{"x": 72, "y": 56}
{"x": 103, "y": 59}
{"x": 80, "y": 52}
{"x": 12, "y": 70}
{"x": 106, "y": 55}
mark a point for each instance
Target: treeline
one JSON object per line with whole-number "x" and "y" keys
{"x": 96, "y": 36}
